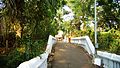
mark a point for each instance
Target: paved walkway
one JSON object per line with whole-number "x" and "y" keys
{"x": 70, "y": 56}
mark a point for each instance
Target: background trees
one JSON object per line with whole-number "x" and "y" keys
{"x": 108, "y": 14}
{"x": 108, "y": 20}
{"x": 26, "y": 25}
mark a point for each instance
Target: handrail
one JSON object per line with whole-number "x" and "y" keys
{"x": 109, "y": 60}
{"x": 86, "y": 44}
{"x": 40, "y": 61}
{"x": 109, "y": 56}
{"x": 104, "y": 59}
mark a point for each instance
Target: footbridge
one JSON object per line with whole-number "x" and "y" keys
{"x": 80, "y": 53}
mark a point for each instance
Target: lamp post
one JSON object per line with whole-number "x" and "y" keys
{"x": 95, "y": 26}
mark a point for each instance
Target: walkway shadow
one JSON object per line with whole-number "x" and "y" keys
{"x": 70, "y": 56}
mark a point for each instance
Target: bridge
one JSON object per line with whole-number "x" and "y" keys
{"x": 70, "y": 56}
{"x": 80, "y": 53}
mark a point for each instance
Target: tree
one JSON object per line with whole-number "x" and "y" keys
{"x": 109, "y": 14}
{"x": 82, "y": 11}
{"x": 33, "y": 21}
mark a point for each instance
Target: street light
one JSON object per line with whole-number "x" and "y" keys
{"x": 95, "y": 26}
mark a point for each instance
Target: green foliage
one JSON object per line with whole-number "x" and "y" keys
{"x": 39, "y": 15}
{"x": 27, "y": 50}
{"x": 34, "y": 21}
{"x": 82, "y": 11}
{"x": 108, "y": 17}
{"x": 15, "y": 58}
{"x": 109, "y": 14}
{"x": 107, "y": 41}
{"x": 115, "y": 41}
{"x": 104, "y": 39}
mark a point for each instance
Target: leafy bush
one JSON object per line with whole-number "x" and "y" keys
{"x": 15, "y": 58}
{"x": 104, "y": 39}
{"x": 27, "y": 50}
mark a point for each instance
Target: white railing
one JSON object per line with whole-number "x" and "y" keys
{"x": 104, "y": 59}
{"x": 40, "y": 61}
{"x": 109, "y": 60}
{"x": 85, "y": 43}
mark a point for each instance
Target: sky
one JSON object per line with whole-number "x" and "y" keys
{"x": 1, "y": 4}
{"x": 70, "y": 16}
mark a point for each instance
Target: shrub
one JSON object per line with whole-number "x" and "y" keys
{"x": 27, "y": 50}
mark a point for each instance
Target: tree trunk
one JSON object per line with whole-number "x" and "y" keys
{"x": 6, "y": 45}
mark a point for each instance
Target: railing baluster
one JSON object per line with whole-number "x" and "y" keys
{"x": 118, "y": 65}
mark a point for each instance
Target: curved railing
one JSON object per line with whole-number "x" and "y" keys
{"x": 85, "y": 43}
{"x": 40, "y": 61}
{"x": 103, "y": 59}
